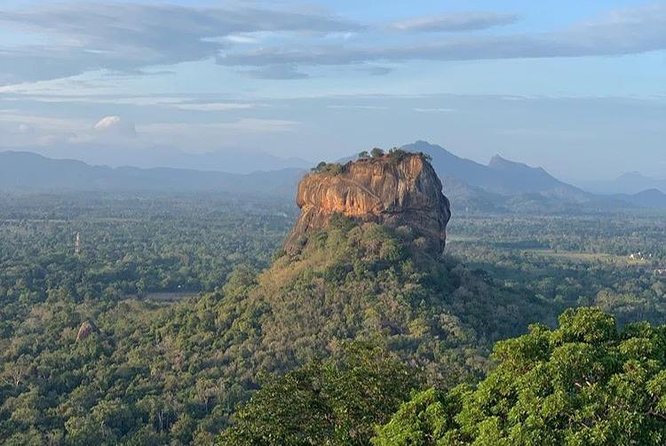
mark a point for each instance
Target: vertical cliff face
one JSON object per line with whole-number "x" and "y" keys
{"x": 396, "y": 189}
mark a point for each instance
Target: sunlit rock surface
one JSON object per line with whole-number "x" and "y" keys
{"x": 397, "y": 190}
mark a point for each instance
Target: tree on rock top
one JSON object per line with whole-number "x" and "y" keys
{"x": 376, "y": 152}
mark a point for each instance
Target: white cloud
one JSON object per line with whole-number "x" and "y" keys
{"x": 107, "y": 122}
{"x": 356, "y": 107}
{"x": 434, "y": 110}
{"x": 242, "y": 38}
{"x": 461, "y": 21}
{"x": 25, "y": 129}
{"x": 214, "y": 106}
{"x": 247, "y": 125}
{"x": 114, "y": 126}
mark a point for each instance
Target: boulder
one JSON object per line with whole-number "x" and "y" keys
{"x": 87, "y": 328}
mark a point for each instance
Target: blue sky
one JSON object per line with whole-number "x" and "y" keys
{"x": 561, "y": 84}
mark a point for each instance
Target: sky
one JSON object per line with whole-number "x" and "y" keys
{"x": 576, "y": 87}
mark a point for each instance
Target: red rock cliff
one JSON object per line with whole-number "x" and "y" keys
{"x": 393, "y": 189}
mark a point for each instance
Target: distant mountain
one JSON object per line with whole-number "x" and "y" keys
{"x": 24, "y": 171}
{"x": 465, "y": 198}
{"x": 509, "y": 186}
{"x": 230, "y": 161}
{"x": 628, "y": 183}
{"x": 501, "y": 186}
{"x": 500, "y": 176}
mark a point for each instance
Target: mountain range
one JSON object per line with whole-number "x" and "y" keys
{"x": 229, "y": 161}
{"x": 500, "y": 176}
{"x": 504, "y": 185}
{"x": 500, "y": 186}
{"x": 30, "y": 172}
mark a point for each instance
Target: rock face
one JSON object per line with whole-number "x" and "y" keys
{"x": 396, "y": 189}
{"x": 86, "y": 329}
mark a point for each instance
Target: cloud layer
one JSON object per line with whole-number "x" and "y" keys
{"x": 470, "y": 21}
{"x": 126, "y": 37}
{"x": 70, "y": 38}
{"x": 622, "y": 32}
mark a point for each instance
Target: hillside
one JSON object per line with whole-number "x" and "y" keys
{"x": 151, "y": 374}
{"x": 360, "y": 277}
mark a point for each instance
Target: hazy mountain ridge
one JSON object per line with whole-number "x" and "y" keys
{"x": 229, "y": 161}
{"x": 509, "y": 186}
{"x": 25, "y": 171}
{"x": 628, "y": 183}
{"x": 651, "y": 198}
{"x": 500, "y": 186}
{"x": 500, "y": 176}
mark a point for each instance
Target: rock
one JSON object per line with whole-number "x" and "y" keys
{"x": 395, "y": 189}
{"x": 87, "y": 328}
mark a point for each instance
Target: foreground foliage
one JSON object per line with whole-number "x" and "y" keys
{"x": 584, "y": 383}
{"x": 335, "y": 402}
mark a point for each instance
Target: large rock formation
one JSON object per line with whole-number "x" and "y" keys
{"x": 396, "y": 189}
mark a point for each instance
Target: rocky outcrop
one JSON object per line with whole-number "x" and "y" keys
{"x": 395, "y": 189}
{"x": 86, "y": 329}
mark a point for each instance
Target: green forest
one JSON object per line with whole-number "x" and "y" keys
{"x": 179, "y": 320}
